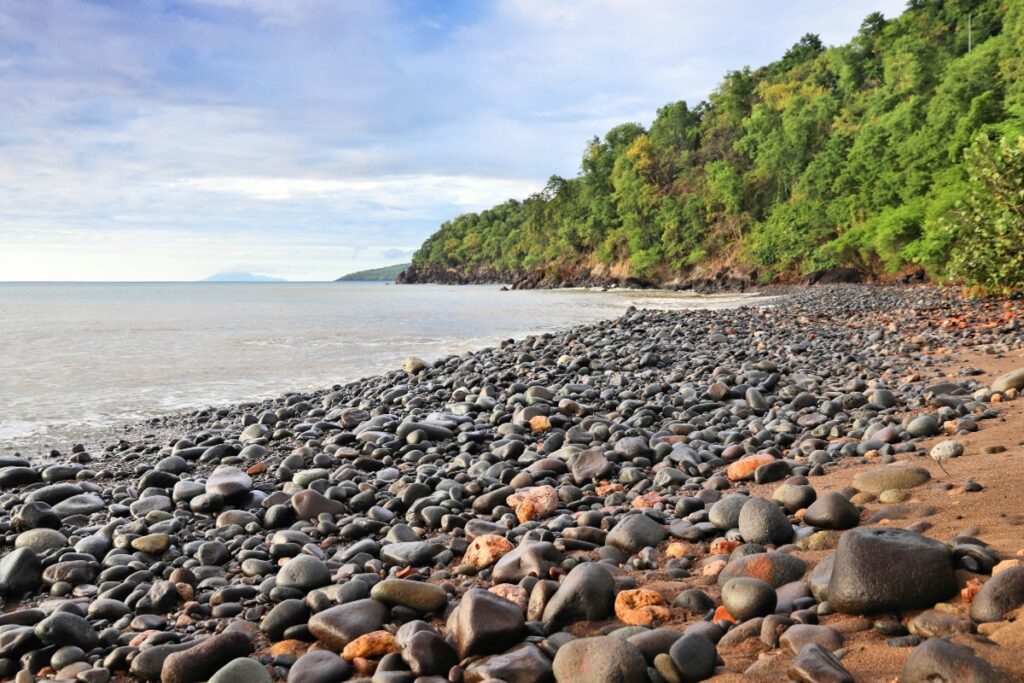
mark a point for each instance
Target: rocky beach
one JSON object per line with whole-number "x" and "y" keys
{"x": 821, "y": 487}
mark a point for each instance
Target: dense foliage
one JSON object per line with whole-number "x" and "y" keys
{"x": 877, "y": 154}
{"x": 385, "y": 274}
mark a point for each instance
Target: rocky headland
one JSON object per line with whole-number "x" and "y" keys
{"x": 826, "y": 488}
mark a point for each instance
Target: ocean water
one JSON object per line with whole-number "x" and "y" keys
{"x": 79, "y": 358}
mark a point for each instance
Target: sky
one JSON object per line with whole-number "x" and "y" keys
{"x": 304, "y": 139}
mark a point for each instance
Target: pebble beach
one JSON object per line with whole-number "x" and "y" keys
{"x": 820, "y": 487}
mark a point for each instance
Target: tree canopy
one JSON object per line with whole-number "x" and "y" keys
{"x": 878, "y": 154}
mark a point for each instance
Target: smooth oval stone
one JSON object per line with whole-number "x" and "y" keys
{"x": 417, "y": 595}
{"x": 937, "y": 659}
{"x": 634, "y": 532}
{"x": 200, "y": 662}
{"x": 695, "y": 657}
{"x": 41, "y": 540}
{"x": 1002, "y": 593}
{"x": 775, "y": 568}
{"x": 745, "y": 598}
{"x": 762, "y": 521}
{"x": 242, "y": 670}
{"x": 797, "y": 636}
{"x": 832, "y": 510}
{"x": 601, "y": 659}
{"x": 319, "y": 666}
{"x": 892, "y": 477}
{"x": 82, "y": 504}
{"x": 229, "y": 482}
{"x": 304, "y": 572}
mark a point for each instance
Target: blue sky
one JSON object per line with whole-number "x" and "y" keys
{"x": 170, "y": 140}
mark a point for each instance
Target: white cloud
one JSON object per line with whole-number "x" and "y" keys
{"x": 403, "y": 191}
{"x": 305, "y": 137}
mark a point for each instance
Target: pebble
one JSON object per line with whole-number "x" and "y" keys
{"x": 242, "y": 670}
{"x": 746, "y": 598}
{"x": 1002, "y": 593}
{"x": 417, "y": 595}
{"x": 694, "y": 657}
{"x": 599, "y": 659}
{"x": 815, "y": 664}
{"x": 337, "y": 626}
{"x": 892, "y": 477}
{"x": 937, "y": 659}
{"x": 518, "y": 491}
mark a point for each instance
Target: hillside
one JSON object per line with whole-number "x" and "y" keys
{"x": 899, "y": 151}
{"x": 385, "y": 274}
{"x": 242, "y": 277}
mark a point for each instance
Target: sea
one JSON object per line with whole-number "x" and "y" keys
{"x": 80, "y": 358}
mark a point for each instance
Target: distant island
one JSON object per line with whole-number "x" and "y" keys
{"x": 385, "y": 274}
{"x": 242, "y": 277}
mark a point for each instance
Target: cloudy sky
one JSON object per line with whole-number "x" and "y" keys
{"x": 174, "y": 139}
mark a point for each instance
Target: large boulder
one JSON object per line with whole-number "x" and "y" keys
{"x": 879, "y": 570}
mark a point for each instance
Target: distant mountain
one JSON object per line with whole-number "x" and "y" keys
{"x": 385, "y": 274}
{"x": 242, "y": 277}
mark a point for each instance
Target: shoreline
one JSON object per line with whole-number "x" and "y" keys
{"x": 101, "y": 435}
{"x": 581, "y": 478}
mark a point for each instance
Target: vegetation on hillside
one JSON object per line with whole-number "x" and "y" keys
{"x": 385, "y": 274}
{"x": 900, "y": 148}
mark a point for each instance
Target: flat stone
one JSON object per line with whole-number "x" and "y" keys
{"x": 310, "y": 504}
{"x": 590, "y": 465}
{"x": 799, "y": 636}
{"x": 892, "y": 477}
{"x": 337, "y": 626}
{"x": 815, "y": 664}
{"x": 417, "y": 595}
{"x": 153, "y": 544}
{"x": 522, "y": 664}
{"x": 65, "y": 628}
{"x": 41, "y": 540}
{"x": 82, "y": 504}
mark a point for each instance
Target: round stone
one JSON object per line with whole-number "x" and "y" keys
{"x": 746, "y": 598}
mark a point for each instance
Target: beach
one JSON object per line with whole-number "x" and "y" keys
{"x": 823, "y": 485}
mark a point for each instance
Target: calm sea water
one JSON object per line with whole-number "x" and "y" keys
{"x": 77, "y": 358}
